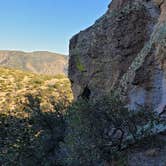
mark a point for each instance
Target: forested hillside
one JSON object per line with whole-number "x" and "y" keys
{"x": 30, "y": 121}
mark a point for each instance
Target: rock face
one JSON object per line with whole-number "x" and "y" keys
{"x": 124, "y": 51}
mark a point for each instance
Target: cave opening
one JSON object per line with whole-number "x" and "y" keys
{"x": 86, "y": 93}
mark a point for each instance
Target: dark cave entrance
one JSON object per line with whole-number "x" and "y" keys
{"x": 86, "y": 93}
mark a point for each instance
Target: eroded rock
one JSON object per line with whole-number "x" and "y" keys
{"x": 123, "y": 51}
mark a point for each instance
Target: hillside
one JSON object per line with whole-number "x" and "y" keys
{"x": 15, "y": 85}
{"x": 28, "y": 112}
{"x": 40, "y": 62}
{"x": 116, "y": 115}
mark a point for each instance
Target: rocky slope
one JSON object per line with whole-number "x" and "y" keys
{"x": 40, "y": 62}
{"x": 123, "y": 51}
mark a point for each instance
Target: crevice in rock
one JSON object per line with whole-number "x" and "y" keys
{"x": 86, "y": 93}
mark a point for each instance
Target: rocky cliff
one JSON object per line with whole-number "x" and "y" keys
{"x": 123, "y": 51}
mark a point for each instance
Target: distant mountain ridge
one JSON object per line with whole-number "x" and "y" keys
{"x": 40, "y": 62}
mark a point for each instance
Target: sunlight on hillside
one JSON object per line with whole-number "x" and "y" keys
{"x": 29, "y": 114}
{"x": 15, "y": 85}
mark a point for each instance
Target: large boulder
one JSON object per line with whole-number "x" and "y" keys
{"x": 124, "y": 51}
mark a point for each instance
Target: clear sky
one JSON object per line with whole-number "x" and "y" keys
{"x": 31, "y": 25}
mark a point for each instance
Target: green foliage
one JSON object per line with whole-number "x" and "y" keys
{"x": 15, "y": 85}
{"x": 97, "y": 131}
{"x": 32, "y": 110}
{"x": 79, "y": 65}
{"x": 79, "y": 141}
{"x": 34, "y": 140}
{"x": 39, "y": 127}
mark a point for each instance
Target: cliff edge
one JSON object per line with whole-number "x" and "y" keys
{"x": 124, "y": 51}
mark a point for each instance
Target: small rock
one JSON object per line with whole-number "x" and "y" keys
{"x": 152, "y": 152}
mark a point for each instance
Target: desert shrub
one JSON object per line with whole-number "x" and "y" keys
{"x": 32, "y": 140}
{"x": 97, "y": 131}
{"x": 32, "y": 114}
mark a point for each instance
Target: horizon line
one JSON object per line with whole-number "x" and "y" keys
{"x": 26, "y": 51}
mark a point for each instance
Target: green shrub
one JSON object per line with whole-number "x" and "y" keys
{"x": 92, "y": 137}
{"x": 33, "y": 140}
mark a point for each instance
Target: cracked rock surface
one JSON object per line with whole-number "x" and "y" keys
{"x": 123, "y": 51}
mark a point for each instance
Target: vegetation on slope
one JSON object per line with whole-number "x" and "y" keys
{"x": 31, "y": 117}
{"x": 40, "y": 126}
{"x": 40, "y": 62}
{"x": 99, "y": 133}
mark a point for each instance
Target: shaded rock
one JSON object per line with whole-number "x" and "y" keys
{"x": 123, "y": 51}
{"x": 152, "y": 152}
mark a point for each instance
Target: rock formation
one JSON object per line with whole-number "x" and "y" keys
{"x": 124, "y": 51}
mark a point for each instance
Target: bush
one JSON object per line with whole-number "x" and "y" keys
{"x": 33, "y": 140}
{"x": 97, "y": 131}
{"x": 87, "y": 133}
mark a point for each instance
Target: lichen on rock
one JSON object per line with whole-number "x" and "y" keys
{"x": 115, "y": 50}
{"x": 124, "y": 52}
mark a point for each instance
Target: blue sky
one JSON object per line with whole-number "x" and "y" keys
{"x": 31, "y": 25}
